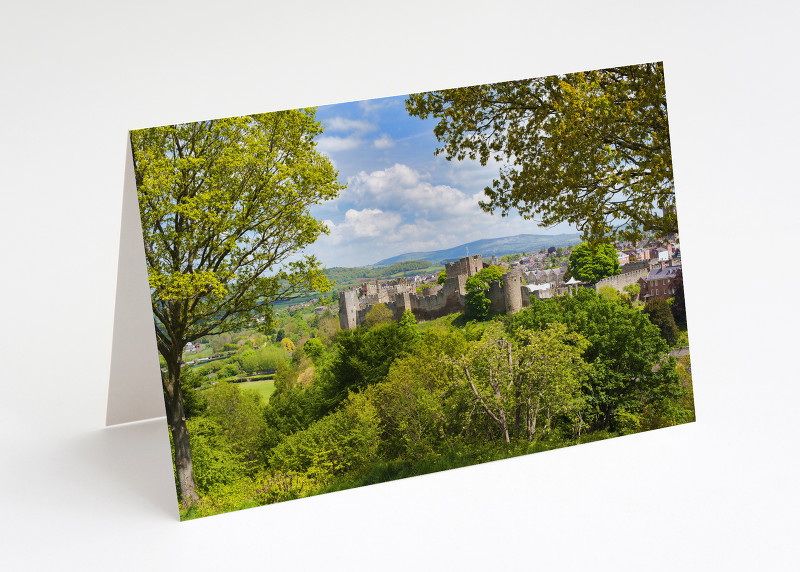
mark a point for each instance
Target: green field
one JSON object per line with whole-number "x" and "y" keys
{"x": 264, "y": 387}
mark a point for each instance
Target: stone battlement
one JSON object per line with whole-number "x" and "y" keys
{"x": 506, "y": 295}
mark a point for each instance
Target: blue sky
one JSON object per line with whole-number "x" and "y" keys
{"x": 400, "y": 197}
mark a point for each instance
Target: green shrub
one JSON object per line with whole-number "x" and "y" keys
{"x": 660, "y": 314}
{"x": 342, "y": 442}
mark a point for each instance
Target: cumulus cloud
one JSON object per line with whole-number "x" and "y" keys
{"x": 344, "y": 124}
{"x": 364, "y": 223}
{"x": 374, "y": 105}
{"x": 401, "y": 188}
{"x": 397, "y": 210}
{"x": 332, "y": 143}
{"x": 383, "y": 142}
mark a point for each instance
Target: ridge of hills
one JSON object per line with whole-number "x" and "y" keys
{"x": 488, "y": 247}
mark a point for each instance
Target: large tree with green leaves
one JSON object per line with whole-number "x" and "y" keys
{"x": 589, "y": 148}
{"x": 630, "y": 368}
{"x": 477, "y": 304}
{"x": 590, "y": 263}
{"x": 518, "y": 380}
{"x": 224, "y": 205}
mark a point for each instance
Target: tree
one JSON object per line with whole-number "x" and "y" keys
{"x": 442, "y": 278}
{"x": 314, "y": 349}
{"x": 362, "y": 357}
{"x": 420, "y": 411}
{"x": 609, "y": 293}
{"x": 632, "y": 290}
{"x": 224, "y": 204}
{"x": 552, "y": 370}
{"x": 238, "y": 414}
{"x": 515, "y": 379}
{"x": 379, "y": 314}
{"x": 287, "y": 344}
{"x": 589, "y": 148}
{"x": 409, "y": 323}
{"x": 628, "y": 357}
{"x": 679, "y": 302}
{"x": 660, "y": 314}
{"x": 590, "y": 263}
{"x": 477, "y": 305}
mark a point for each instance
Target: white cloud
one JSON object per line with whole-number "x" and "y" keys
{"x": 344, "y": 124}
{"x": 397, "y": 210}
{"x": 365, "y": 223}
{"x": 401, "y": 188}
{"x": 373, "y": 105}
{"x": 383, "y": 142}
{"x": 331, "y": 143}
{"x": 466, "y": 174}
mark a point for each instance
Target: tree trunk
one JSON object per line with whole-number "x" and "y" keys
{"x": 180, "y": 439}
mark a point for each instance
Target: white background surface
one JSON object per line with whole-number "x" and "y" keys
{"x": 720, "y": 494}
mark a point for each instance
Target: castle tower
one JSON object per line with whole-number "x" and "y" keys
{"x": 512, "y": 291}
{"x": 474, "y": 264}
{"x": 348, "y": 309}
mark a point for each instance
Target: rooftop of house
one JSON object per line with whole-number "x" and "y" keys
{"x": 667, "y": 272}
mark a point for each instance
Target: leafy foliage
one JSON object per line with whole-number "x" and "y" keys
{"x": 238, "y": 413}
{"x": 211, "y": 195}
{"x": 194, "y": 402}
{"x": 589, "y": 148}
{"x": 344, "y": 441}
{"x": 476, "y": 304}
{"x": 314, "y": 349}
{"x": 420, "y": 413}
{"x": 362, "y": 357}
{"x": 660, "y": 313}
{"x": 224, "y": 204}
{"x": 679, "y": 302}
{"x": 626, "y": 352}
{"x": 266, "y": 358}
{"x": 216, "y": 462}
{"x": 590, "y": 263}
{"x": 515, "y": 380}
{"x": 632, "y": 289}
{"x": 379, "y": 314}
{"x": 609, "y": 293}
{"x": 402, "y": 399}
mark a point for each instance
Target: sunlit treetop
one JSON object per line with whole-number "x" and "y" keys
{"x": 224, "y": 205}
{"x": 591, "y": 149}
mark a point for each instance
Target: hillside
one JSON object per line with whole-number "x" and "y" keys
{"x": 488, "y": 247}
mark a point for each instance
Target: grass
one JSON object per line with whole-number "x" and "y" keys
{"x": 264, "y": 387}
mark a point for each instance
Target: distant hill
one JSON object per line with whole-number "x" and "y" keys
{"x": 489, "y": 246}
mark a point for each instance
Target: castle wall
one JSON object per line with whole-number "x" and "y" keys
{"x": 455, "y": 285}
{"x": 398, "y": 295}
{"x": 403, "y": 303}
{"x": 442, "y": 301}
{"x": 496, "y": 295}
{"x": 619, "y": 281}
{"x": 637, "y": 265}
{"x": 528, "y": 295}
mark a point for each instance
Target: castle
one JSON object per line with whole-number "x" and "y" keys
{"x": 507, "y": 295}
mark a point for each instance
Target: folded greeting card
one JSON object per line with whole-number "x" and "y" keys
{"x": 367, "y": 291}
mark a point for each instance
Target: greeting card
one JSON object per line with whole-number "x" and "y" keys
{"x": 367, "y": 291}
